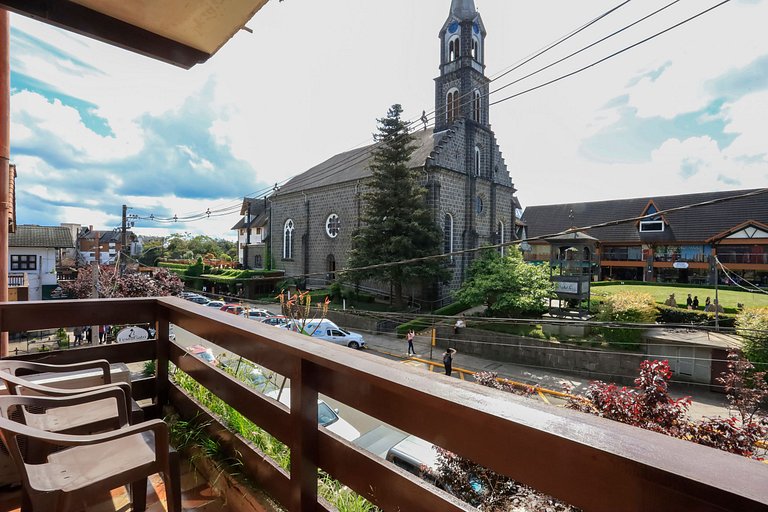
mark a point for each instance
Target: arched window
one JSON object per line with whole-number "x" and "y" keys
{"x": 454, "y": 48}
{"x": 477, "y": 161}
{"x": 476, "y": 49}
{"x": 476, "y": 106}
{"x": 288, "y": 240}
{"x": 332, "y": 225}
{"x": 500, "y": 228}
{"x": 331, "y": 267}
{"x": 452, "y": 105}
{"x": 448, "y": 234}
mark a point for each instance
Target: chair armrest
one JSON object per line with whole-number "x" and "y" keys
{"x": 122, "y": 402}
{"x": 64, "y": 392}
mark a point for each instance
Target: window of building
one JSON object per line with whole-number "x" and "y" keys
{"x": 452, "y": 105}
{"x": 23, "y": 262}
{"x": 332, "y": 225}
{"x": 476, "y": 107}
{"x": 454, "y": 48}
{"x": 288, "y": 239}
{"x": 651, "y": 226}
{"x": 500, "y": 229}
{"x": 476, "y": 49}
{"x": 448, "y": 234}
{"x": 477, "y": 161}
{"x": 258, "y": 231}
{"x": 479, "y": 205}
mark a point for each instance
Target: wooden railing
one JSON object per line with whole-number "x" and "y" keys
{"x": 18, "y": 280}
{"x": 590, "y": 462}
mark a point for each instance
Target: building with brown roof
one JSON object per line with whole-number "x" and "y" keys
{"x": 726, "y": 236}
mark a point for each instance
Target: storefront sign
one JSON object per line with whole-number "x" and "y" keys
{"x": 132, "y": 333}
{"x": 680, "y": 264}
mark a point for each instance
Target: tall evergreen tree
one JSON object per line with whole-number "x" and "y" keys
{"x": 396, "y": 223}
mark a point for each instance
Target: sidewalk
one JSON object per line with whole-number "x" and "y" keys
{"x": 704, "y": 402}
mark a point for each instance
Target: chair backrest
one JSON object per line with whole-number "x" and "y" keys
{"x": 21, "y": 368}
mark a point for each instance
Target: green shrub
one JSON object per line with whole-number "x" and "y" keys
{"x": 418, "y": 325}
{"x": 452, "y": 309}
{"x": 670, "y": 315}
{"x": 752, "y": 325}
{"x": 626, "y": 307}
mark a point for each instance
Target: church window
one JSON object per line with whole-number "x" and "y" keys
{"x": 500, "y": 229}
{"x": 448, "y": 235}
{"x": 452, "y": 105}
{"x": 479, "y": 205}
{"x": 333, "y": 225}
{"x": 454, "y": 51}
{"x": 288, "y": 240}
{"x": 477, "y": 161}
{"x": 476, "y": 106}
{"x": 476, "y": 49}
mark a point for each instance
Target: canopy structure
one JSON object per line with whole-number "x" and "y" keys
{"x": 179, "y": 32}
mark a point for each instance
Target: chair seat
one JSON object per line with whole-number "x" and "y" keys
{"x": 63, "y": 419}
{"x": 79, "y": 467}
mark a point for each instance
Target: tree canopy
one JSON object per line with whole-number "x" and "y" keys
{"x": 396, "y": 221}
{"x": 507, "y": 285}
{"x": 135, "y": 284}
{"x": 186, "y": 246}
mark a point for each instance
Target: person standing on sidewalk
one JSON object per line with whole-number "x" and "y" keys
{"x": 448, "y": 360}
{"x": 409, "y": 337}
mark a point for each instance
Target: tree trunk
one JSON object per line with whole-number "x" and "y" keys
{"x": 398, "y": 293}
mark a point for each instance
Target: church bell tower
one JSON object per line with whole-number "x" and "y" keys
{"x": 461, "y": 90}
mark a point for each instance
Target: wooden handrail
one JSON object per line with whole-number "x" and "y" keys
{"x": 590, "y": 462}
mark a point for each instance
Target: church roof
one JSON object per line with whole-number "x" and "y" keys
{"x": 354, "y": 165}
{"x": 694, "y": 224}
{"x": 463, "y": 9}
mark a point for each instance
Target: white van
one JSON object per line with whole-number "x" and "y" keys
{"x": 329, "y": 331}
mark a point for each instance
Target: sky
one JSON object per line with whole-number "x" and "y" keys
{"x": 94, "y": 127}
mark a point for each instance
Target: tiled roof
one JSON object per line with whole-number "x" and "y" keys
{"x": 354, "y": 165}
{"x": 41, "y": 236}
{"x": 258, "y": 213}
{"x": 694, "y": 224}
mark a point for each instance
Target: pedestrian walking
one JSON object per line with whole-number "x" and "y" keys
{"x": 448, "y": 360}
{"x": 78, "y": 332}
{"x": 101, "y": 334}
{"x": 695, "y": 302}
{"x": 409, "y": 337}
{"x": 689, "y": 302}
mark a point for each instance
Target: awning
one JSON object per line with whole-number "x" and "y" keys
{"x": 180, "y": 32}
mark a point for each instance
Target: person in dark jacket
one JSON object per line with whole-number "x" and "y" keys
{"x": 448, "y": 360}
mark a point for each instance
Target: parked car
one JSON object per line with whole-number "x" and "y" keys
{"x": 327, "y": 417}
{"x": 256, "y": 314}
{"x": 204, "y": 353}
{"x": 235, "y": 309}
{"x": 198, "y": 299}
{"x": 329, "y": 331}
{"x": 218, "y": 304}
{"x": 408, "y": 452}
{"x": 276, "y": 320}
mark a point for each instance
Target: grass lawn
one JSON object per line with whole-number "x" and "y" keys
{"x": 728, "y": 297}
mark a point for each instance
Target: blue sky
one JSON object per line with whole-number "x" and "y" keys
{"x": 95, "y": 127}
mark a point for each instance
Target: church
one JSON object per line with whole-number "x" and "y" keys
{"x": 469, "y": 188}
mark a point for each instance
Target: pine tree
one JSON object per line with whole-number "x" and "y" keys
{"x": 396, "y": 222}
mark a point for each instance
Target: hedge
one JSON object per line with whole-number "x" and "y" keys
{"x": 670, "y": 315}
{"x": 452, "y": 309}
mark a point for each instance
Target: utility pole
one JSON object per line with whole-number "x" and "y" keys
{"x": 5, "y": 157}
{"x": 123, "y": 241}
{"x": 95, "y": 278}
{"x": 247, "y": 234}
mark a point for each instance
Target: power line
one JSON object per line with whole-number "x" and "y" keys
{"x": 595, "y": 63}
{"x": 540, "y": 237}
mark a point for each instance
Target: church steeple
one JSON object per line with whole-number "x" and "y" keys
{"x": 463, "y": 9}
{"x": 461, "y": 90}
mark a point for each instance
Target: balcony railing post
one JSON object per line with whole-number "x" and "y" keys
{"x": 305, "y": 438}
{"x": 162, "y": 327}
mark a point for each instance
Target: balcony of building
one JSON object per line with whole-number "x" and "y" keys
{"x": 584, "y": 460}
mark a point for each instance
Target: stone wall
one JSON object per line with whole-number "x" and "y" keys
{"x": 588, "y": 362}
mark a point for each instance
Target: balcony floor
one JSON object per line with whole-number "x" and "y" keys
{"x": 197, "y": 496}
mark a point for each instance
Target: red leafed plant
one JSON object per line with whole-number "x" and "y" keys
{"x": 648, "y": 405}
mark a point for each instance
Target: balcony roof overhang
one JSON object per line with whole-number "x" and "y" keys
{"x": 179, "y": 32}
